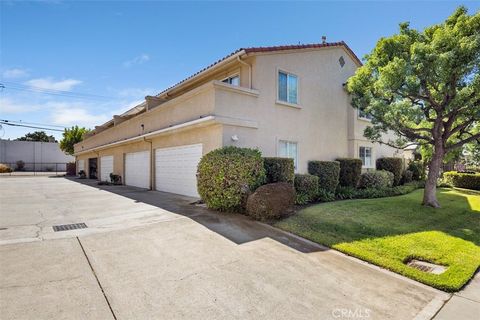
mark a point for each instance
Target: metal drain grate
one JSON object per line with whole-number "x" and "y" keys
{"x": 426, "y": 266}
{"x": 66, "y": 227}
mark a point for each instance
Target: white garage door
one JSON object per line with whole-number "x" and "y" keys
{"x": 106, "y": 167}
{"x": 176, "y": 169}
{"x": 137, "y": 169}
{"x": 80, "y": 165}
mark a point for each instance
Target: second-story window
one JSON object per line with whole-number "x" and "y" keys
{"x": 233, "y": 80}
{"x": 287, "y": 87}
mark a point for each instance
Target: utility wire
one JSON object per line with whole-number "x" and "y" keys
{"x": 34, "y": 127}
{"x": 34, "y": 123}
{"x": 61, "y": 93}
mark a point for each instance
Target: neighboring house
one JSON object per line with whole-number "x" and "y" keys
{"x": 38, "y": 156}
{"x": 287, "y": 101}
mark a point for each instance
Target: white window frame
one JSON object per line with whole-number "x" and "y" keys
{"x": 229, "y": 78}
{"x": 365, "y": 118}
{"x": 296, "y": 160}
{"x": 371, "y": 156}
{"x": 277, "y": 99}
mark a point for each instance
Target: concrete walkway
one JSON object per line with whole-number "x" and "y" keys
{"x": 148, "y": 254}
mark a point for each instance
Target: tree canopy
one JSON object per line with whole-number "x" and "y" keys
{"x": 425, "y": 87}
{"x": 71, "y": 137}
{"x": 37, "y": 136}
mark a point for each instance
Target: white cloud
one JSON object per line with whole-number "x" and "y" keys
{"x": 15, "y": 73}
{"x": 137, "y": 60}
{"x": 9, "y": 106}
{"x": 50, "y": 84}
{"x": 68, "y": 116}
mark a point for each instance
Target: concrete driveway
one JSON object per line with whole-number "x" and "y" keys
{"x": 152, "y": 255}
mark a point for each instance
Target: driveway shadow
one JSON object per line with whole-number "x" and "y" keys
{"x": 235, "y": 227}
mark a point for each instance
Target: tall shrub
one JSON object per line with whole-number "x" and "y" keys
{"x": 328, "y": 173}
{"x": 306, "y": 188}
{"x": 463, "y": 180}
{"x": 394, "y": 165}
{"x": 350, "y": 171}
{"x": 227, "y": 175}
{"x": 279, "y": 169}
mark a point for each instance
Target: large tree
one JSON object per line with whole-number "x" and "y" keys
{"x": 425, "y": 87}
{"x": 37, "y": 136}
{"x": 71, "y": 137}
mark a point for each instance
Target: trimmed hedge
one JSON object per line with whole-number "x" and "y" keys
{"x": 407, "y": 176}
{"x": 271, "y": 201}
{"x": 328, "y": 173}
{"x": 227, "y": 175}
{"x": 344, "y": 193}
{"x": 417, "y": 169}
{"x": 376, "y": 179}
{"x": 350, "y": 171}
{"x": 462, "y": 180}
{"x": 394, "y": 165}
{"x": 279, "y": 169}
{"x": 306, "y": 188}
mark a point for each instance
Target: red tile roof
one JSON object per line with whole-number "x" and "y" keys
{"x": 270, "y": 49}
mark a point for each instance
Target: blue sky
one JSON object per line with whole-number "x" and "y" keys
{"x": 118, "y": 52}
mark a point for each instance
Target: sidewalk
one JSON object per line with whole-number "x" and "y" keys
{"x": 464, "y": 304}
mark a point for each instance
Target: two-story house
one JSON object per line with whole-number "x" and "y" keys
{"x": 287, "y": 101}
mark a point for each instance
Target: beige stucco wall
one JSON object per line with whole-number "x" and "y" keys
{"x": 210, "y": 137}
{"x": 323, "y": 124}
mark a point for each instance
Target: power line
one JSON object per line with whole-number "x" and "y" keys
{"x": 55, "y": 92}
{"x": 34, "y": 123}
{"x": 34, "y": 127}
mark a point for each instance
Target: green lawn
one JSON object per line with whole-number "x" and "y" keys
{"x": 389, "y": 231}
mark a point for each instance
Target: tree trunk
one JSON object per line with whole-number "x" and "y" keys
{"x": 430, "y": 193}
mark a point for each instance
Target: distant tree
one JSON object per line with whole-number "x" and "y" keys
{"x": 37, "y": 136}
{"x": 425, "y": 87}
{"x": 71, "y": 137}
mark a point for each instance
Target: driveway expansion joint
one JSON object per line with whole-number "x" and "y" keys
{"x": 96, "y": 278}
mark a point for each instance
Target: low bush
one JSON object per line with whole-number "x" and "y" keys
{"x": 271, "y": 201}
{"x": 350, "y": 171}
{"x": 306, "y": 188}
{"x": 407, "y": 176}
{"x": 394, "y": 165}
{"x": 376, "y": 179}
{"x": 417, "y": 169}
{"x": 4, "y": 168}
{"x": 20, "y": 165}
{"x": 279, "y": 170}
{"x": 462, "y": 180}
{"x": 328, "y": 173}
{"x": 344, "y": 193}
{"x": 226, "y": 177}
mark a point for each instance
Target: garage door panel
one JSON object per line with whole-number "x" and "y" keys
{"x": 106, "y": 167}
{"x": 176, "y": 169}
{"x": 137, "y": 169}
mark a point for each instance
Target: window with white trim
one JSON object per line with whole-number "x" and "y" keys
{"x": 363, "y": 115}
{"x": 288, "y": 149}
{"x": 365, "y": 153}
{"x": 233, "y": 80}
{"x": 287, "y": 87}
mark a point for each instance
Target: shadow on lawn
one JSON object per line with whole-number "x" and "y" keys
{"x": 354, "y": 220}
{"x": 235, "y": 227}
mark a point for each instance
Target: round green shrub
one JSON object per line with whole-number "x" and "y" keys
{"x": 417, "y": 169}
{"x": 279, "y": 169}
{"x": 407, "y": 176}
{"x": 327, "y": 172}
{"x": 306, "y": 188}
{"x": 227, "y": 175}
{"x": 462, "y": 180}
{"x": 376, "y": 179}
{"x": 394, "y": 165}
{"x": 350, "y": 171}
